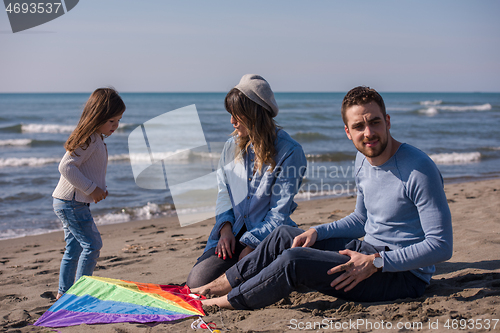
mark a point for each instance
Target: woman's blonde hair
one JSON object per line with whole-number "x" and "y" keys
{"x": 260, "y": 125}
{"x": 102, "y": 105}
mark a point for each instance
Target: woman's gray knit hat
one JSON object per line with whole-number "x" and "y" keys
{"x": 256, "y": 88}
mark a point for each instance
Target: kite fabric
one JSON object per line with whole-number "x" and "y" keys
{"x": 98, "y": 300}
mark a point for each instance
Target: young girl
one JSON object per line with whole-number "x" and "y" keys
{"x": 83, "y": 172}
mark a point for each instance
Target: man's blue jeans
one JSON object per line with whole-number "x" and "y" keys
{"x": 273, "y": 270}
{"x": 83, "y": 241}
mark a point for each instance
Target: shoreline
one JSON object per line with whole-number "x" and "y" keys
{"x": 312, "y": 197}
{"x": 160, "y": 251}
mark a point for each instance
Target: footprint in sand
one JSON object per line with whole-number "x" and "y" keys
{"x": 49, "y": 295}
{"x": 48, "y": 271}
{"x": 12, "y": 298}
{"x": 143, "y": 228}
{"x": 42, "y": 261}
{"x": 148, "y": 227}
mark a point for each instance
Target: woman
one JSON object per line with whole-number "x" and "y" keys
{"x": 260, "y": 171}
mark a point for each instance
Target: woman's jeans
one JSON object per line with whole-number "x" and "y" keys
{"x": 83, "y": 241}
{"x": 210, "y": 266}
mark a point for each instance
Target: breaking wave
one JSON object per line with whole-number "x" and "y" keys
{"x": 16, "y": 142}
{"x": 27, "y": 161}
{"x": 429, "y": 103}
{"x": 46, "y": 128}
{"x": 435, "y": 108}
{"x": 456, "y": 158}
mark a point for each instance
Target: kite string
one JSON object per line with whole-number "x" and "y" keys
{"x": 200, "y": 323}
{"x": 220, "y": 315}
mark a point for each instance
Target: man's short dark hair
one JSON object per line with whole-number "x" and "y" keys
{"x": 360, "y": 96}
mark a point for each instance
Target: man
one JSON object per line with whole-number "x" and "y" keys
{"x": 401, "y": 210}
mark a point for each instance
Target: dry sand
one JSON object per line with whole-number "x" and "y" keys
{"x": 466, "y": 288}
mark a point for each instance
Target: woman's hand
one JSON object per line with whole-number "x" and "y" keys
{"x": 98, "y": 194}
{"x": 245, "y": 251}
{"x": 227, "y": 242}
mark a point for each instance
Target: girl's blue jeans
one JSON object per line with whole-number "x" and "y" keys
{"x": 83, "y": 241}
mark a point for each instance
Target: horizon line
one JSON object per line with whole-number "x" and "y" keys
{"x": 225, "y": 92}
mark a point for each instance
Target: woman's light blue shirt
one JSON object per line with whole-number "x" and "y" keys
{"x": 260, "y": 201}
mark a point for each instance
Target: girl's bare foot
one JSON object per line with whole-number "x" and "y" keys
{"x": 58, "y": 296}
{"x": 221, "y": 302}
{"x": 217, "y": 287}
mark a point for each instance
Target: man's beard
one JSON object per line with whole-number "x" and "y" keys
{"x": 377, "y": 151}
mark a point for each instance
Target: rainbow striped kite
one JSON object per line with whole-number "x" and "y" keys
{"x": 98, "y": 300}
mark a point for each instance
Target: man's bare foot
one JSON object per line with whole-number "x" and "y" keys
{"x": 58, "y": 296}
{"x": 221, "y": 302}
{"x": 217, "y": 287}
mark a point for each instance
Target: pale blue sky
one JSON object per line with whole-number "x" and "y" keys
{"x": 196, "y": 45}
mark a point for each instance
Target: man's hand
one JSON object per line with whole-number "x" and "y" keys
{"x": 245, "y": 251}
{"x": 227, "y": 242}
{"x": 98, "y": 194}
{"x": 305, "y": 239}
{"x": 359, "y": 268}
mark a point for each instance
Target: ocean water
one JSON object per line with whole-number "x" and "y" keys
{"x": 458, "y": 130}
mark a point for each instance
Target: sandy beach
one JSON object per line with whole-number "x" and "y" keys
{"x": 464, "y": 291}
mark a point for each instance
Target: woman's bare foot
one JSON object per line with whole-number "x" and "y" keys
{"x": 58, "y": 296}
{"x": 217, "y": 287}
{"x": 221, "y": 302}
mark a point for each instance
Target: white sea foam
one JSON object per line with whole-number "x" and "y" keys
{"x": 146, "y": 157}
{"x": 456, "y": 158}
{"x": 39, "y": 161}
{"x": 54, "y": 128}
{"x": 482, "y": 107}
{"x": 123, "y": 125}
{"x": 112, "y": 218}
{"x": 27, "y": 161}
{"x": 433, "y": 110}
{"x": 429, "y": 111}
{"x": 16, "y": 233}
{"x": 16, "y": 142}
{"x": 148, "y": 211}
{"x": 120, "y": 157}
{"x": 428, "y": 103}
{"x": 178, "y": 155}
{"x": 47, "y": 128}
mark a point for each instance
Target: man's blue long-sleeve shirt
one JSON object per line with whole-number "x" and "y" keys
{"x": 402, "y": 205}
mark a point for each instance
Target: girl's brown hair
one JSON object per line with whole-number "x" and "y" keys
{"x": 102, "y": 105}
{"x": 260, "y": 125}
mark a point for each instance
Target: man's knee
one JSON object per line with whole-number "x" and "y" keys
{"x": 294, "y": 261}
{"x": 293, "y": 256}
{"x": 286, "y": 231}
